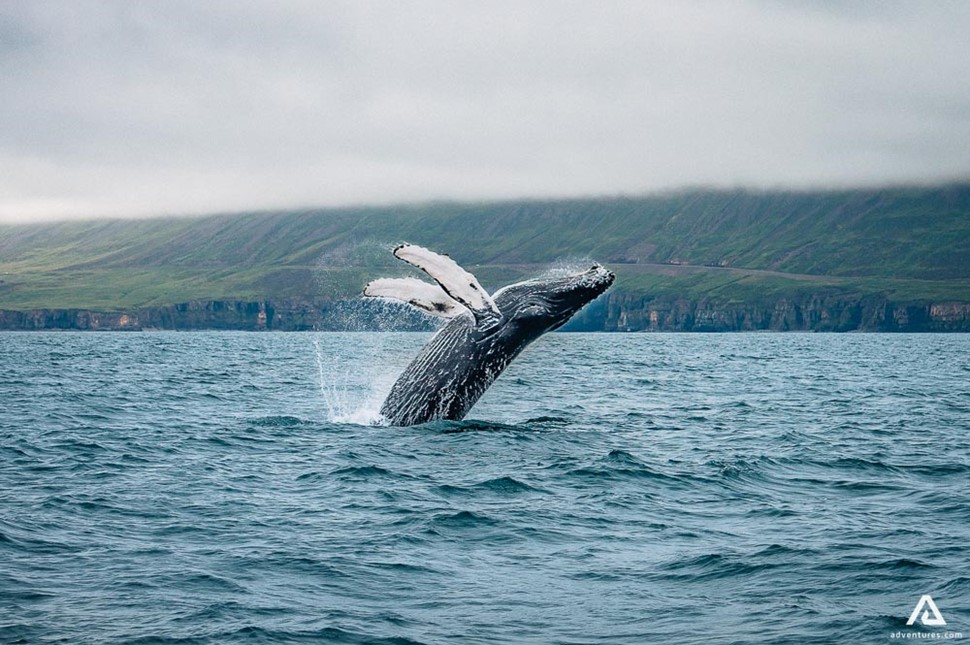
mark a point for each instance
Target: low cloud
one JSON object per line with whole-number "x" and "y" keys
{"x": 140, "y": 108}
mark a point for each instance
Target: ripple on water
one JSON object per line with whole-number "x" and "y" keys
{"x": 769, "y": 488}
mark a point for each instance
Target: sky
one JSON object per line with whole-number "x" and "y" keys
{"x": 138, "y": 108}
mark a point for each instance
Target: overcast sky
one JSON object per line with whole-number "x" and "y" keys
{"x": 165, "y": 107}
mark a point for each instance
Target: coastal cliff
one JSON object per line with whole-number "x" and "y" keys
{"x": 613, "y": 312}
{"x": 819, "y": 314}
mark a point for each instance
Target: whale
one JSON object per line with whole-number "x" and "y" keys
{"x": 483, "y": 333}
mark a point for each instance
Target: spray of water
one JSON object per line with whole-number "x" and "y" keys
{"x": 347, "y": 397}
{"x": 354, "y": 394}
{"x": 565, "y": 267}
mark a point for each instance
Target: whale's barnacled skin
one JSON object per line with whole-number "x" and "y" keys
{"x": 466, "y": 356}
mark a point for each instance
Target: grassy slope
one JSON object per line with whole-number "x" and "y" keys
{"x": 906, "y": 243}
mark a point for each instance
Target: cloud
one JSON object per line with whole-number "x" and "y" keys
{"x": 130, "y": 108}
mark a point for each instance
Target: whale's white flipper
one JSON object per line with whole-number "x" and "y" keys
{"x": 457, "y": 283}
{"x": 417, "y": 293}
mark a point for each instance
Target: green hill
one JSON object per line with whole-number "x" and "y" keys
{"x": 704, "y": 259}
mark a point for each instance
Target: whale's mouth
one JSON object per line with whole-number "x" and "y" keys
{"x": 576, "y": 291}
{"x": 598, "y": 275}
{"x": 589, "y": 284}
{"x": 584, "y": 286}
{"x": 544, "y": 304}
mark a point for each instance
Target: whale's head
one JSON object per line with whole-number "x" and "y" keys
{"x": 536, "y": 306}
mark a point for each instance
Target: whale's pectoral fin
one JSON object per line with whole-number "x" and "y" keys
{"x": 417, "y": 293}
{"x": 456, "y": 282}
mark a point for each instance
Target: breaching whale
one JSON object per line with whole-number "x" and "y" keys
{"x": 484, "y": 333}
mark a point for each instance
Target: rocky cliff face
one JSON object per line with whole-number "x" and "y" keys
{"x": 285, "y": 315}
{"x": 621, "y": 312}
{"x": 190, "y": 315}
{"x": 614, "y": 312}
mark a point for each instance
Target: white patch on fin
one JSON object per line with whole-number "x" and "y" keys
{"x": 457, "y": 283}
{"x": 417, "y": 293}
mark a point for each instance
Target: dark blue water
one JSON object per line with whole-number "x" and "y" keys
{"x": 214, "y": 488}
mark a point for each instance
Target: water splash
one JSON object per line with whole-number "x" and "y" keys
{"x": 378, "y": 314}
{"x": 336, "y": 271}
{"x": 565, "y": 267}
{"x": 345, "y": 401}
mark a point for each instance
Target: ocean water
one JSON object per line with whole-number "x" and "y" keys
{"x": 610, "y": 488}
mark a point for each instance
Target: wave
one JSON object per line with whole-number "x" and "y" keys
{"x": 503, "y": 486}
{"x": 463, "y": 520}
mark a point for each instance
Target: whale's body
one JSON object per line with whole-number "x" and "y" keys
{"x": 484, "y": 334}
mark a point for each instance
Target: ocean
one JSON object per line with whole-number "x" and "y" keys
{"x": 609, "y": 488}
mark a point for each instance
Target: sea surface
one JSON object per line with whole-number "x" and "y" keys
{"x": 609, "y": 488}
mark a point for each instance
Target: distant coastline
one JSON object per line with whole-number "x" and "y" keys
{"x": 611, "y": 314}
{"x": 893, "y": 259}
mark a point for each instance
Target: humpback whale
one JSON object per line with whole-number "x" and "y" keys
{"x": 483, "y": 334}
